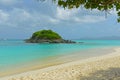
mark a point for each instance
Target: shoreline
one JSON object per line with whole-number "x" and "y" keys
{"x": 56, "y": 60}
{"x": 72, "y": 70}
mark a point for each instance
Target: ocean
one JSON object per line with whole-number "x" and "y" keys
{"x": 15, "y": 53}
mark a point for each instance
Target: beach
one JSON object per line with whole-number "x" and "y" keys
{"x": 106, "y": 67}
{"x": 59, "y": 40}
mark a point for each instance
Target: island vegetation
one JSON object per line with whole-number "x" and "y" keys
{"x": 47, "y": 36}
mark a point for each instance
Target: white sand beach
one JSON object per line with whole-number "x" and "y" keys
{"x": 105, "y": 67}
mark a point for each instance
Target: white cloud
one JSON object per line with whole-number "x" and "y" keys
{"x": 54, "y": 21}
{"x": 78, "y": 15}
{"x": 65, "y": 14}
{"x": 21, "y": 18}
{"x": 15, "y": 17}
{"x": 27, "y": 19}
{"x": 113, "y": 12}
{"x": 20, "y": 14}
{"x": 3, "y": 16}
{"x": 89, "y": 19}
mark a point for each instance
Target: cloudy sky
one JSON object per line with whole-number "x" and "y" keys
{"x": 20, "y": 18}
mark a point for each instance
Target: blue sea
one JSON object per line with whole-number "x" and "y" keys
{"x": 17, "y": 52}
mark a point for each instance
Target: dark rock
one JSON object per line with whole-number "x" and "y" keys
{"x": 48, "y": 41}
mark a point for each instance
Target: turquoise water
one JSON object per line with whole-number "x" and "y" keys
{"x": 14, "y": 52}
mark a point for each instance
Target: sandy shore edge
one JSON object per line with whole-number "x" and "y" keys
{"x": 88, "y": 69}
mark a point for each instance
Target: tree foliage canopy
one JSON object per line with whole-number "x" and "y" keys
{"x": 101, "y": 5}
{"x": 46, "y": 34}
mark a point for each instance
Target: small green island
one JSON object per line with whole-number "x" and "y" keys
{"x": 47, "y": 36}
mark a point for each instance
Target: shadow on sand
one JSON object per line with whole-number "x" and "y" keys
{"x": 110, "y": 74}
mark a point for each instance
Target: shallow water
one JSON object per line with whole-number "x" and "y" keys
{"x": 17, "y": 52}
